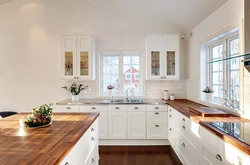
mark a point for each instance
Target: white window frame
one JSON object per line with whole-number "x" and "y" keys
{"x": 226, "y": 83}
{"x": 121, "y": 92}
{"x": 136, "y": 77}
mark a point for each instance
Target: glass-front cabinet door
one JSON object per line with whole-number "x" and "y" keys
{"x": 170, "y": 63}
{"x": 68, "y": 57}
{"x": 78, "y": 56}
{"x": 155, "y": 63}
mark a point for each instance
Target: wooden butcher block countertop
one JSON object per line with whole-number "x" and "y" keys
{"x": 46, "y": 145}
{"x": 184, "y": 106}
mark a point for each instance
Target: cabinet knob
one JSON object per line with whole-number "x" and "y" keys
{"x": 164, "y": 77}
{"x": 156, "y": 107}
{"x": 93, "y": 108}
{"x": 170, "y": 129}
{"x": 92, "y": 129}
{"x": 92, "y": 138}
{"x": 183, "y": 119}
{"x": 218, "y": 157}
{"x": 170, "y": 115}
{"x": 157, "y": 113}
{"x": 157, "y": 125}
{"x": 77, "y": 77}
{"x": 183, "y": 127}
{"x": 136, "y": 108}
{"x": 183, "y": 145}
{"x": 74, "y": 77}
{"x": 67, "y": 163}
{"x": 92, "y": 160}
{"x": 117, "y": 108}
{"x": 68, "y": 108}
{"x": 170, "y": 110}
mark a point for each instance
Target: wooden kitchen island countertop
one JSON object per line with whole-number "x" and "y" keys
{"x": 45, "y": 146}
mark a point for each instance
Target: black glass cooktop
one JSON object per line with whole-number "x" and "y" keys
{"x": 238, "y": 130}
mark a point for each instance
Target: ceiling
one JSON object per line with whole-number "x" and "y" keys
{"x": 180, "y": 15}
{"x": 175, "y": 15}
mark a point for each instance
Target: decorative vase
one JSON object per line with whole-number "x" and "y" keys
{"x": 210, "y": 97}
{"x": 109, "y": 92}
{"x": 75, "y": 97}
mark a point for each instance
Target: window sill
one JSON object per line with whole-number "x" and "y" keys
{"x": 233, "y": 111}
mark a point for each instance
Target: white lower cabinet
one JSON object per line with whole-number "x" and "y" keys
{"x": 136, "y": 122}
{"x": 195, "y": 145}
{"x": 103, "y": 123}
{"x": 157, "y": 122}
{"x": 117, "y": 122}
{"x": 85, "y": 151}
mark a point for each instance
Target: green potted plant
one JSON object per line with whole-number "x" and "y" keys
{"x": 75, "y": 90}
{"x": 39, "y": 117}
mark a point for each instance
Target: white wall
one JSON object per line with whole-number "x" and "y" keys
{"x": 30, "y": 50}
{"x": 226, "y": 16}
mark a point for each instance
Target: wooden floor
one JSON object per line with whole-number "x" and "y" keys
{"x": 137, "y": 155}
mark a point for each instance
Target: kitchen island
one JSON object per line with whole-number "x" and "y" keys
{"x": 47, "y": 145}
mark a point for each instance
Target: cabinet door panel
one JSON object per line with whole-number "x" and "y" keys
{"x": 103, "y": 118}
{"x": 117, "y": 125}
{"x": 136, "y": 125}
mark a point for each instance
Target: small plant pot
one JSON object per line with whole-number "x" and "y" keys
{"x": 75, "y": 97}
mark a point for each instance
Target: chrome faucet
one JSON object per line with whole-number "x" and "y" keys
{"x": 126, "y": 98}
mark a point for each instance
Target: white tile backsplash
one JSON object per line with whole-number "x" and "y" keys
{"x": 154, "y": 89}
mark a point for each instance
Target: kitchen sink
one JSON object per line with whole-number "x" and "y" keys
{"x": 129, "y": 101}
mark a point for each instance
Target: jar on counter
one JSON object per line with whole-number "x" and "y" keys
{"x": 172, "y": 97}
{"x": 165, "y": 95}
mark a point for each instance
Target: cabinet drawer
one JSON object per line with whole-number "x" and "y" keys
{"x": 94, "y": 108}
{"x": 136, "y": 108}
{"x": 66, "y": 108}
{"x": 157, "y": 108}
{"x": 117, "y": 108}
{"x": 193, "y": 143}
{"x": 93, "y": 157}
{"x": 187, "y": 150}
{"x": 157, "y": 131}
{"x": 157, "y": 117}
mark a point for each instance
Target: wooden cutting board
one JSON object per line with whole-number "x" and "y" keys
{"x": 209, "y": 112}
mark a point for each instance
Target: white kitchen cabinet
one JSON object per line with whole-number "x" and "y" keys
{"x": 66, "y": 108}
{"x": 78, "y": 54}
{"x": 163, "y": 57}
{"x": 85, "y": 150}
{"x": 117, "y": 122}
{"x": 136, "y": 121}
{"x": 171, "y": 126}
{"x": 157, "y": 122}
{"x": 103, "y": 122}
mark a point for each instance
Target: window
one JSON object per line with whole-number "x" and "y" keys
{"x": 122, "y": 70}
{"x": 224, "y": 76}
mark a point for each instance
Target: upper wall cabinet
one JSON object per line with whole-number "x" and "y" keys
{"x": 163, "y": 53}
{"x": 78, "y": 55}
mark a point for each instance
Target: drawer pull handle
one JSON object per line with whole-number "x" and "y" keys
{"x": 68, "y": 108}
{"x": 157, "y": 125}
{"x": 183, "y": 145}
{"x": 92, "y": 138}
{"x": 67, "y": 163}
{"x": 92, "y": 160}
{"x": 136, "y": 108}
{"x": 157, "y": 113}
{"x": 93, "y": 108}
{"x": 156, "y": 107}
{"x": 183, "y": 119}
{"x": 92, "y": 129}
{"x": 170, "y": 129}
{"x": 170, "y": 115}
{"x": 218, "y": 157}
{"x": 183, "y": 127}
{"x": 170, "y": 110}
{"x": 117, "y": 108}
